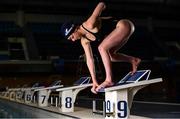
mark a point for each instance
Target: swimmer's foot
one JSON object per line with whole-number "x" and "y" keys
{"x": 135, "y": 64}
{"x": 93, "y": 90}
{"x": 104, "y": 85}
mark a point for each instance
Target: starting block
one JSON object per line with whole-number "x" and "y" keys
{"x": 14, "y": 94}
{"x": 43, "y": 93}
{"x": 29, "y": 92}
{"x": 68, "y": 94}
{"x": 123, "y": 93}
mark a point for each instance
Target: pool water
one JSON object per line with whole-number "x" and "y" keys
{"x": 10, "y": 109}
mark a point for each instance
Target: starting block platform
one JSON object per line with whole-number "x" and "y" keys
{"x": 137, "y": 76}
{"x": 68, "y": 94}
{"x": 123, "y": 93}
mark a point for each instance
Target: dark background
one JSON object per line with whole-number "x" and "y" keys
{"x": 32, "y": 48}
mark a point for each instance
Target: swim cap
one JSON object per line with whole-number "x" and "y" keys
{"x": 67, "y": 29}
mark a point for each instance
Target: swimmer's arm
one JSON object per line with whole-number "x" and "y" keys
{"x": 98, "y": 10}
{"x": 96, "y": 13}
{"x": 89, "y": 58}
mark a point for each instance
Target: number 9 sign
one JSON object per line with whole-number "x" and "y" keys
{"x": 122, "y": 109}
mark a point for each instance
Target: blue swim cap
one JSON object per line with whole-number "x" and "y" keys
{"x": 67, "y": 29}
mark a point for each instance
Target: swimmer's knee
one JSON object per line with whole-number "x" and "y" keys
{"x": 101, "y": 48}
